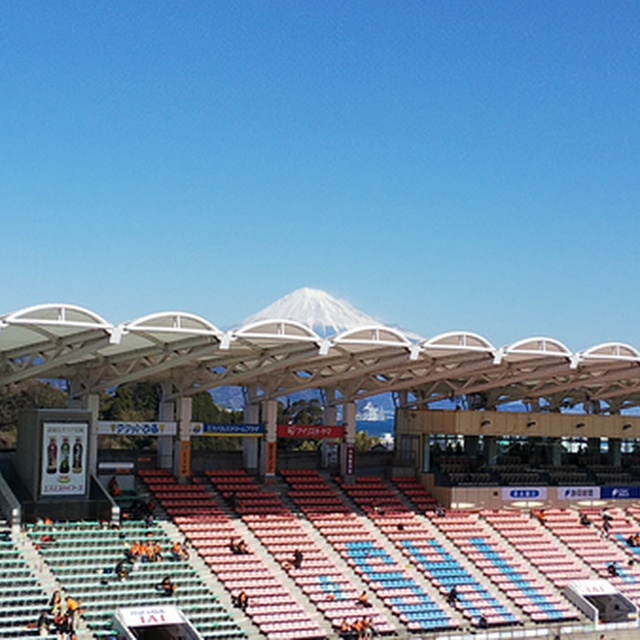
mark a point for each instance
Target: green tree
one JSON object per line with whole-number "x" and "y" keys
{"x": 31, "y": 394}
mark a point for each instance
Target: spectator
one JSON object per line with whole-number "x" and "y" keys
{"x": 114, "y": 488}
{"x": 241, "y": 601}
{"x": 452, "y": 597}
{"x": 44, "y": 623}
{"x": 166, "y": 587}
{"x": 612, "y": 569}
{"x": 55, "y": 603}
{"x": 363, "y": 600}
{"x": 179, "y": 552}
{"x": 122, "y": 570}
{"x": 345, "y": 630}
{"x": 297, "y": 559}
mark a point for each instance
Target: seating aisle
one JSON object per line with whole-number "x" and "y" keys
{"x": 21, "y": 595}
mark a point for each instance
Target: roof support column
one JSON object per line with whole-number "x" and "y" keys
{"x": 329, "y": 418}
{"x": 182, "y": 459}
{"x": 89, "y": 402}
{"x": 615, "y": 452}
{"x": 92, "y": 404}
{"x": 270, "y": 459}
{"x": 490, "y": 445}
{"x": 166, "y": 413}
{"x": 250, "y": 445}
{"x": 348, "y": 453}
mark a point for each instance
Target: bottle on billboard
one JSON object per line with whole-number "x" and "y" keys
{"x": 52, "y": 456}
{"x": 65, "y": 452}
{"x": 77, "y": 456}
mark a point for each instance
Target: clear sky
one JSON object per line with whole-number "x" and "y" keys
{"x": 442, "y": 165}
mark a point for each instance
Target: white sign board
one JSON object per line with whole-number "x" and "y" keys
{"x": 64, "y": 458}
{"x": 107, "y": 428}
{"x": 592, "y": 587}
{"x": 578, "y": 493}
{"x": 150, "y": 616}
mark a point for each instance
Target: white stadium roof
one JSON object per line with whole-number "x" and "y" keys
{"x": 285, "y": 355}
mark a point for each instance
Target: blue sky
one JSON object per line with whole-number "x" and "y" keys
{"x": 441, "y": 165}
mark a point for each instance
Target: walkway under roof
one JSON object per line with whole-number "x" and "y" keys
{"x": 280, "y": 357}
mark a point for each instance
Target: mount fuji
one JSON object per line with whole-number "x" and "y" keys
{"x": 317, "y": 310}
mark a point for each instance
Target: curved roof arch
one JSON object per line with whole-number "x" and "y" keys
{"x": 373, "y": 336}
{"x": 277, "y": 330}
{"x": 457, "y": 342}
{"x": 40, "y": 341}
{"x": 610, "y": 351}
{"x": 62, "y": 315}
{"x": 175, "y": 322}
{"x": 539, "y": 347}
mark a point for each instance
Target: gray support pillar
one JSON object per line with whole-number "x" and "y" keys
{"x": 471, "y": 447}
{"x": 593, "y": 450}
{"x": 270, "y": 413}
{"x": 89, "y": 402}
{"x": 426, "y": 453}
{"x": 250, "y": 445}
{"x": 555, "y": 452}
{"x": 490, "y": 449}
{"x": 182, "y": 457}
{"x": 329, "y": 418}
{"x": 166, "y": 413}
{"x": 615, "y": 452}
{"x": 348, "y": 454}
{"x": 92, "y": 404}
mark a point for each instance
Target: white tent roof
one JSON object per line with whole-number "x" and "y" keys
{"x": 282, "y": 356}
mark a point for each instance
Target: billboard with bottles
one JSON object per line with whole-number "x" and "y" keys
{"x": 64, "y": 459}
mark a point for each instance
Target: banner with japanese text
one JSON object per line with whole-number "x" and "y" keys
{"x": 218, "y": 429}
{"x": 107, "y": 428}
{"x": 309, "y": 432}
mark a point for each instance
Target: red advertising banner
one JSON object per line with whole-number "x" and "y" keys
{"x": 309, "y": 432}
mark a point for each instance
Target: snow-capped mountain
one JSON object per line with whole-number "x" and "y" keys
{"x": 316, "y": 309}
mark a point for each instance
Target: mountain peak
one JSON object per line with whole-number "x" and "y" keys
{"x": 316, "y": 309}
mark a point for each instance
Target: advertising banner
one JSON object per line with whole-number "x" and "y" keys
{"x": 215, "y": 429}
{"x": 619, "y": 493}
{"x": 107, "y": 428}
{"x": 272, "y": 458}
{"x": 578, "y": 493}
{"x": 64, "y": 458}
{"x": 185, "y": 458}
{"x": 350, "y": 461}
{"x": 309, "y": 432}
{"x": 524, "y": 493}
